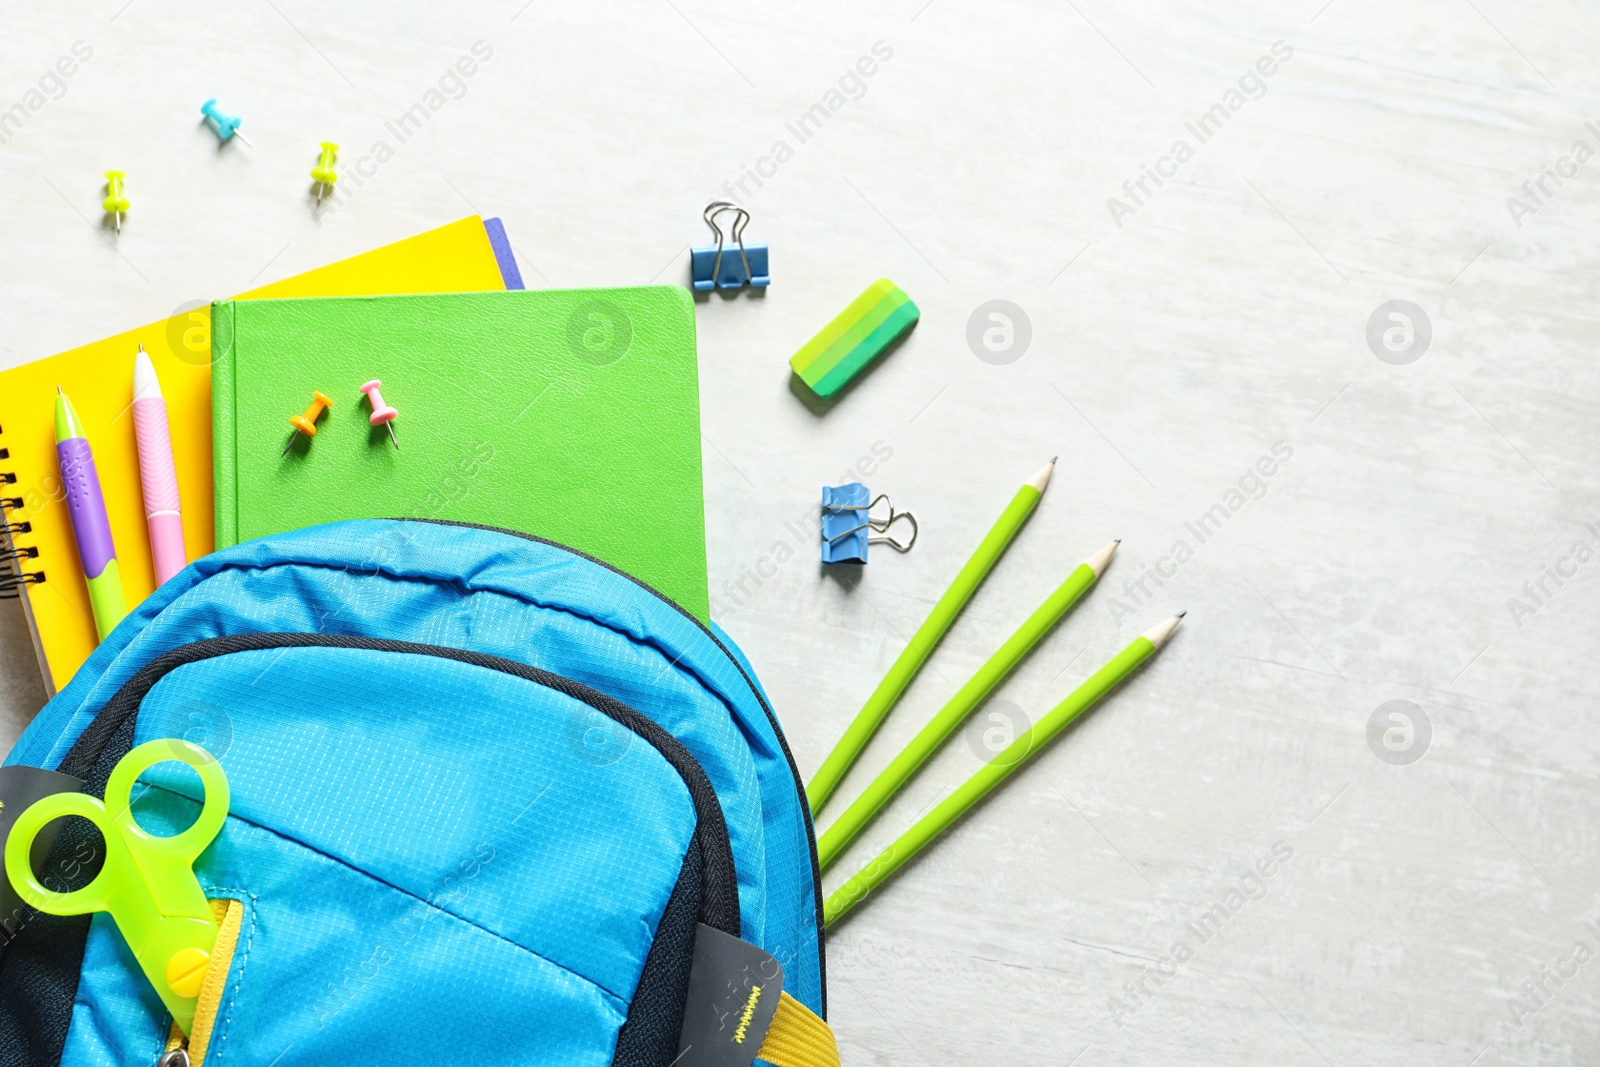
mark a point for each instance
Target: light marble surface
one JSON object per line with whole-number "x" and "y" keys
{"x": 1226, "y": 314}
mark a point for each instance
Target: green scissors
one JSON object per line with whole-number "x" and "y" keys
{"x": 147, "y": 883}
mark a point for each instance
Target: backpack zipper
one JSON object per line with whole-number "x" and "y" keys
{"x": 189, "y": 1050}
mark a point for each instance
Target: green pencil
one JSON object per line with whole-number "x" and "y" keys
{"x": 953, "y": 714}
{"x": 996, "y": 771}
{"x": 911, "y": 658}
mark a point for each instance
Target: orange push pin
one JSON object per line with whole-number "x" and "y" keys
{"x": 306, "y": 423}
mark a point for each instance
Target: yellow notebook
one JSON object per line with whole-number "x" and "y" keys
{"x": 460, "y": 257}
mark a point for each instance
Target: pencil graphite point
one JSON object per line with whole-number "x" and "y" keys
{"x": 1042, "y": 479}
{"x": 1098, "y": 561}
{"x": 1157, "y": 635}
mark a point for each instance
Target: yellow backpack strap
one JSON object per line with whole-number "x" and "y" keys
{"x": 798, "y": 1038}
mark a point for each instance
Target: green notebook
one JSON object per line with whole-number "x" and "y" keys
{"x": 572, "y": 415}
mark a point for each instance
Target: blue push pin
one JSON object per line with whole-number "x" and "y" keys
{"x": 226, "y": 126}
{"x": 713, "y": 268}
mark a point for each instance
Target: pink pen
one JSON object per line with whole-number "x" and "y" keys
{"x": 157, "y": 476}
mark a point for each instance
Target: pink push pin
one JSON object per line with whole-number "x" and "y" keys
{"x": 382, "y": 414}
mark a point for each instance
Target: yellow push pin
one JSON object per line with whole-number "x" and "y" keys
{"x": 115, "y": 203}
{"x": 306, "y": 423}
{"x": 323, "y": 173}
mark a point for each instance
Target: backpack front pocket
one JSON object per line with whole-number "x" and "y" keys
{"x": 449, "y": 857}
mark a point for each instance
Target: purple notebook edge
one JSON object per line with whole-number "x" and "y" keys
{"x": 504, "y": 258}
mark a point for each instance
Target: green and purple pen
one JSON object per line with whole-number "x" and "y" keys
{"x": 90, "y": 527}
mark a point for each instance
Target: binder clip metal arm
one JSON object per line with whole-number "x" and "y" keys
{"x": 848, "y": 525}
{"x": 714, "y": 270}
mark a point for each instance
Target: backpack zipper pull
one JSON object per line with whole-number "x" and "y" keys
{"x": 178, "y": 1057}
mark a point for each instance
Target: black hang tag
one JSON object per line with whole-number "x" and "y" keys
{"x": 733, "y": 996}
{"x": 20, "y": 788}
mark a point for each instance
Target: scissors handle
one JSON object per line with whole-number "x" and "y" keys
{"x": 161, "y": 864}
{"x": 187, "y": 845}
{"x": 147, "y": 883}
{"x": 19, "y": 851}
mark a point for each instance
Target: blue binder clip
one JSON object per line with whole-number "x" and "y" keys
{"x": 848, "y": 526}
{"x": 714, "y": 267}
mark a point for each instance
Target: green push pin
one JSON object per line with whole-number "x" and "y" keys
{"x": 323, "y": 173}
{"x": 115, "y": 203}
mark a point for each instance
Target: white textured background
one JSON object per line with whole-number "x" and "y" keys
{"x": 1225, "y": 315}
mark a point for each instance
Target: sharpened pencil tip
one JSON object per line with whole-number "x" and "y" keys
{"x": 1181, "y": 614}
{"x": 1157, "y": 635}
{"x": 1042, "y": 479}
{"x": 1098, "y": 561}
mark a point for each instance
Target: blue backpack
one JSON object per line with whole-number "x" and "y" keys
{"x": 485, "y": 792}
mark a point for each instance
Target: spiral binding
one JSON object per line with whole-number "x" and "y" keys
{"x": 12, "y": 576}
{"x": 11, "y": 583}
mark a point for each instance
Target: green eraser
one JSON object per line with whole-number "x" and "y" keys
{"x": 857, "y": 336}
